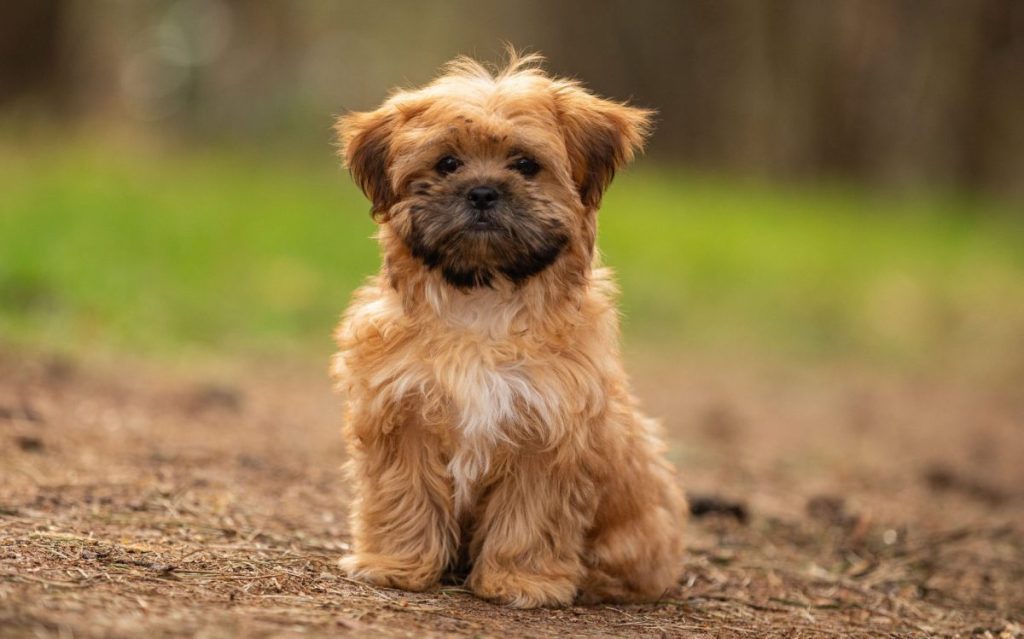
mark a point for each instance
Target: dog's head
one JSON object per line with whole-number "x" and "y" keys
{"x": 484, "y": 176}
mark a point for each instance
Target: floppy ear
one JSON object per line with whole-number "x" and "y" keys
{"x": 600, "y": 136}
{"x": 366, "y": 152}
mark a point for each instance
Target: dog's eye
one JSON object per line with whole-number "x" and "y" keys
{"x": 447, "y": 165}
{"x": 526, "y": 167}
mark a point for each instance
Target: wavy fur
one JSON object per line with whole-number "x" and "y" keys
{"x": 489, "y": 420}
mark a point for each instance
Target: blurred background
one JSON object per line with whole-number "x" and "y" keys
{"x": 841, "y": 181}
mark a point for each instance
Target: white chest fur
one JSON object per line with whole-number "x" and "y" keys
{"x": 490, "y": 401}
{"x": 494, "y": 393}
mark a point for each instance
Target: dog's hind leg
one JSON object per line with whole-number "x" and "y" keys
{"x": 634, "y": 552}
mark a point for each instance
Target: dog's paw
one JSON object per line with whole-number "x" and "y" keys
{"x": 388, "y": 572}
{"x": 522, "y": 590}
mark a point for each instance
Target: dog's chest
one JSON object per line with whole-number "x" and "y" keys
{"x": 493, "y": 401}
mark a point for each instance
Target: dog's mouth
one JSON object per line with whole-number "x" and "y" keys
{"x": 484, "y": 226}
{"x": 480, "y": 247}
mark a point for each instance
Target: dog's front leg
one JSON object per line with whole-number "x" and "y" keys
{"x": 403, "y": 529}
{"x": 528, "y": 538}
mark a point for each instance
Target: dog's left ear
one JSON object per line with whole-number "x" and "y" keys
{"x": 601, "y": 136}
{"x": 366, "y": 150}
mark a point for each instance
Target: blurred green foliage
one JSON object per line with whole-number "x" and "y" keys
{"x": 230, "y": 251}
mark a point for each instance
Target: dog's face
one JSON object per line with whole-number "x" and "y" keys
{"x": 484, "y": 177}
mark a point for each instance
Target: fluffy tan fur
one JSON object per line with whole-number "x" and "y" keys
{"x": 489, "y": 420}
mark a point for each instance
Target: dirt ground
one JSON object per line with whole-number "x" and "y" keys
{"x": 136, "y": 501}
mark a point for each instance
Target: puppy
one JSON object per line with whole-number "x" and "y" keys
{"x": 489, "y": 421}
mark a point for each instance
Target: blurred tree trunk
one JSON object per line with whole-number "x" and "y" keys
{"x": 898, "y": 92}
{"x": 30, "y": 50}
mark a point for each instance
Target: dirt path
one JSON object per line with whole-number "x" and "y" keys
{"x": 135, "y": 501}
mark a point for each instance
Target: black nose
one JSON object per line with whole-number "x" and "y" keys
{"x": 482, "y": 197}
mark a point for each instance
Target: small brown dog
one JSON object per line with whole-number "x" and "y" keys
{"x": 489, "y": 420}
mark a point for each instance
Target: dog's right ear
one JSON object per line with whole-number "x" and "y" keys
{"x": 366, "y": 151}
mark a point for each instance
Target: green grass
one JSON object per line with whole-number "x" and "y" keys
{"x": 225, "y": 252}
